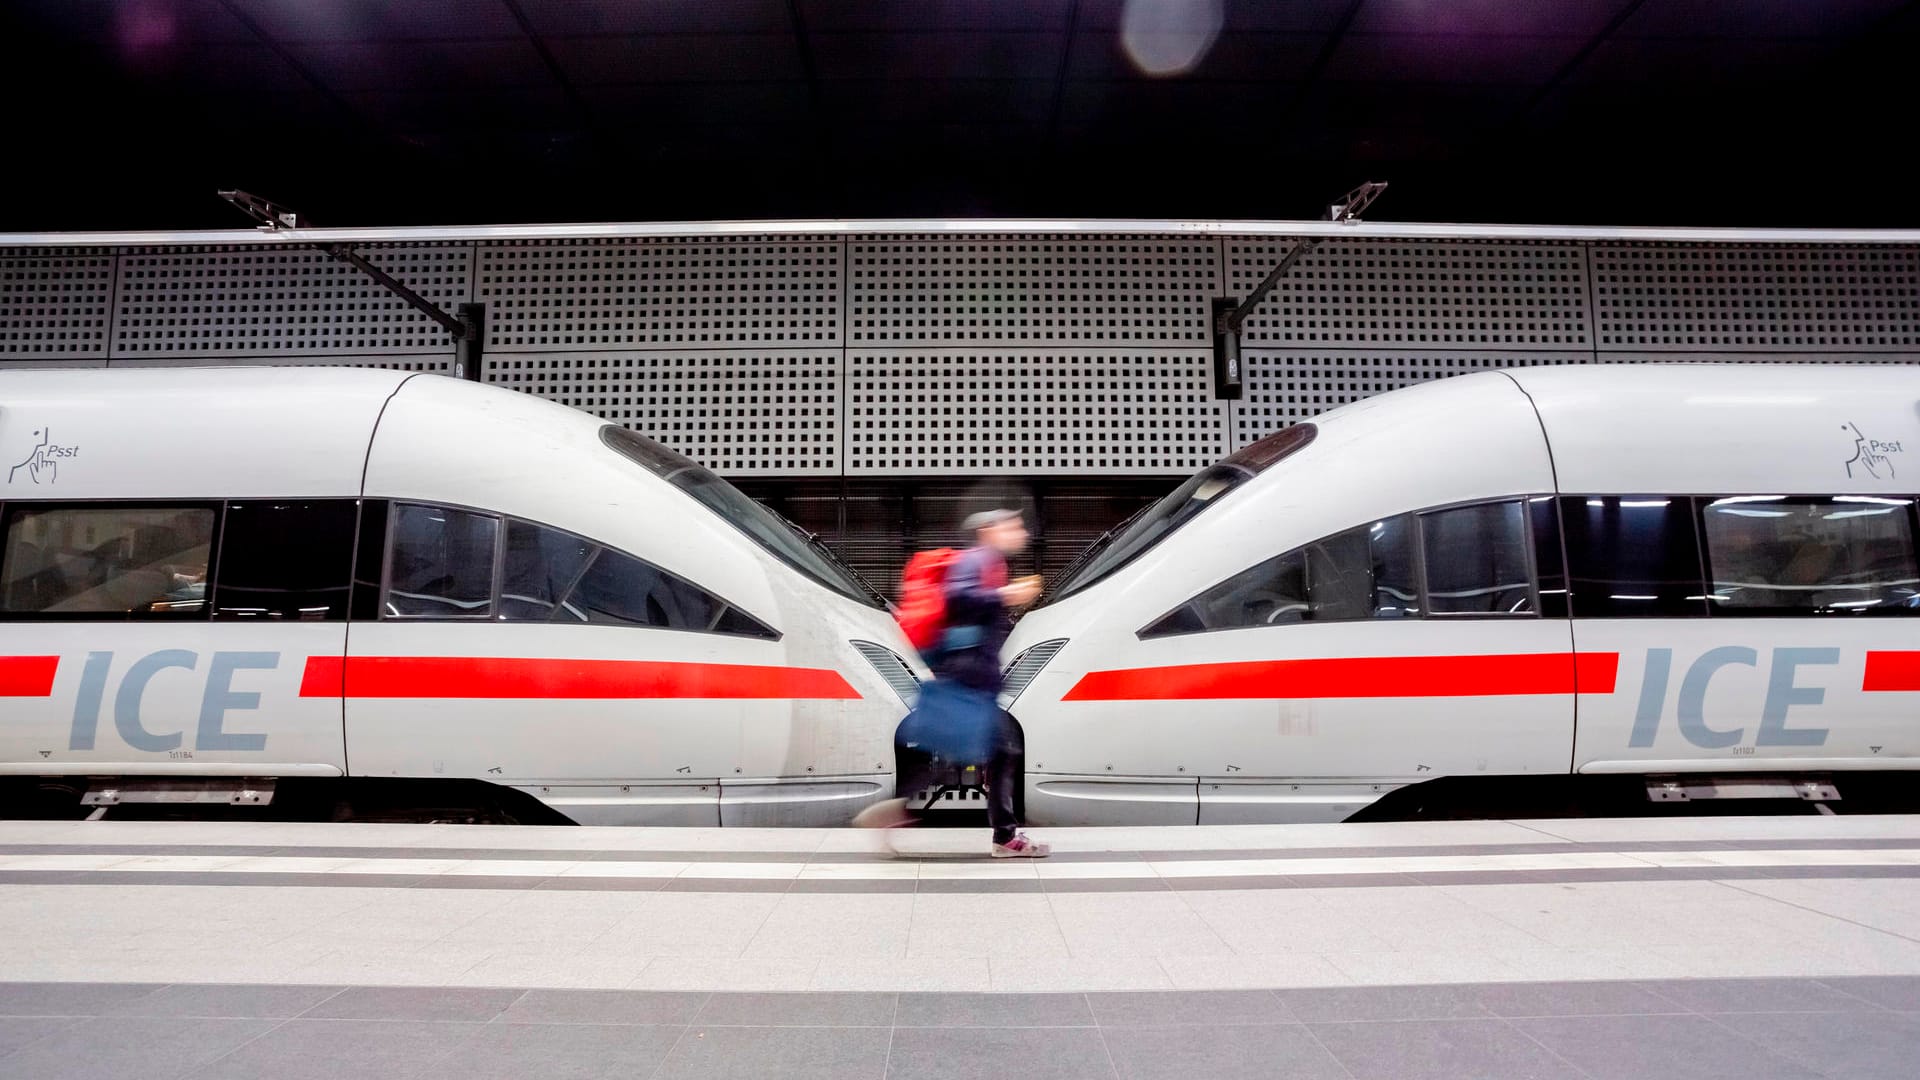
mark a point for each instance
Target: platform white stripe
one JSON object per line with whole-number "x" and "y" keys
{"x": 907, "y": 869}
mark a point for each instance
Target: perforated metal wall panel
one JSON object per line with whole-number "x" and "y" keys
{"x": 1032, "y": 411}
{"x": 660, "y": 293}
{"x": 246, "y": 301}
{"x": 1031, "y": 290}
{"x": 1756, "y": 298}
{"x": 740, "y": 412}
{"x": 54, "y": 303}
{"x": 948, "y": 354}
{"x": 438, "y": 365}
{"x": 1486, "y": 294}
{"x": 1286, "y": 386}
{"x": 1781, "y": 358}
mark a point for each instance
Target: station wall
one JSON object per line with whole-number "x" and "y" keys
{"x": 922, "y": 372}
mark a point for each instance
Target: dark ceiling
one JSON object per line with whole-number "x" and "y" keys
{"x": 129, "y": 113}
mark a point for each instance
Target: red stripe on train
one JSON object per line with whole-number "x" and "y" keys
{"x": 512, "y": 677}
{"x": 1892, "y": 671}
{"x": 27, "y": 676}
{"x": 1358, "y": 677}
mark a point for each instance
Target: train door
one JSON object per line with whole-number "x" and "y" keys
{"x": 1752, "y": 633}
{"x": 519, "y": 654}
{"x": 172, "y": 637}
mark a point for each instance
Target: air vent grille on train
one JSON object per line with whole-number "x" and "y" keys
{"x": 893, "y": 669}
{"x": 1025, "y": 666}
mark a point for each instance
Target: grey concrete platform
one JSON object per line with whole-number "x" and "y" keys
{"x": 1753, "y": 948}
{"x": 1839, "y": 1028}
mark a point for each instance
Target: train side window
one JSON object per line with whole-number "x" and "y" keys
{"x": 620, "y": 590}
{"x": 1549, "y": 560}
{"x": 1396, "y": 573}
{"x": 101, "y": 561}
{"x": 1476, "y": 559}
{"x": 370, "y": 548}
{"x": 1776, "y": 555}
{"x": 440, "y": 563}
{"x": 1632, "y": 556}
{"x": 538, "y": 569}
{"x": 286, "y": 560}
{"x": 1362, "y": 573}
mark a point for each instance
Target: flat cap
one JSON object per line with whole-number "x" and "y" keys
{"x": 976, "y": 522}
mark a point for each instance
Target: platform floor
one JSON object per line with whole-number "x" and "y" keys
{"x": 1785, "y": 947}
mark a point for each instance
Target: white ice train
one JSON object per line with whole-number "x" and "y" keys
{"x": 215, "y": 580}
{"x": 1698, "y": 572}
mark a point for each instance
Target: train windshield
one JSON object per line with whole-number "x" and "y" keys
{"x": 782, "y": 538}
{"x": 1138, "y": 534}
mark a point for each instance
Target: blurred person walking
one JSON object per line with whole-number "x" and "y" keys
{"x": 958, "y": 608}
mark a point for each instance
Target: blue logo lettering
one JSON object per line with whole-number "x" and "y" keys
{"x": 133, "y": 685}
{"x": 218, "y": 698}
{"x": 1653, "y": 697}
{"x": 1783, "y": 693}
{"x": 221, "y": 697}
{"x": 86, "y": 705}
{"x": 1693, "y": 696}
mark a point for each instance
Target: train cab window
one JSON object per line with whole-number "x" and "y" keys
{"x": 1154, "y": 523}
{"x": 1632, "y": 556}
{"x": 286, "y": 560}
{"x": 621, "y": 590}
{"x": 774, "y": 534}
{"x": 539, "y": 568}
{"x": 1362, "y": 573}
{"x": 99, "y": 561}
{"x": 553, "y": 576}
{"x": 1476, "y": 558}
{"x": 440, "y": 564}
{"x": 1775, "y": 555}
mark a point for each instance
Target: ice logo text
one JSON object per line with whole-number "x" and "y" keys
{"x": 217, "y": 699}
{"x": 1783, "y": 693}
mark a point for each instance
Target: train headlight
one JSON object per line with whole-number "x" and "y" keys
{"x": 1025, "y": 667}
{"x": 893, "y": 669}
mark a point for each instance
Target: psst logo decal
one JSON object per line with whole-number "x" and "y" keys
{"x": 1870, "y": 456}
{"x": 42, "y": 463}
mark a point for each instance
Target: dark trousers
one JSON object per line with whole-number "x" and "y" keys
{"x": 1002, "y": 774}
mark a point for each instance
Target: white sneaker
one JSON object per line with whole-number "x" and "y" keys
{"x": 1022, "y": 847}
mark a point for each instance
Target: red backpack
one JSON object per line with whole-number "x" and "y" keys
{"x": 922, "y": 611}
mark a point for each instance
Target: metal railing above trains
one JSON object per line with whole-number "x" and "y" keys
{"x": 883, "y": 228}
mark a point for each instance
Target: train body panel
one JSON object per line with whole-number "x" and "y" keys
{"x": 1705, "y": 428}
{"x": 537, "y": 600}
{"x": 1414, "y": 447}
{"x": 148, "y": 433}
{"x": 1266, "y": 647}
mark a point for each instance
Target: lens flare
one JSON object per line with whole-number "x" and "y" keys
{"x": 145, "y": 26}
{"x": 1169, "y": 37}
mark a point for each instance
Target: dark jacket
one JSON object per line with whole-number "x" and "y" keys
{"x": 978, "y": 621}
